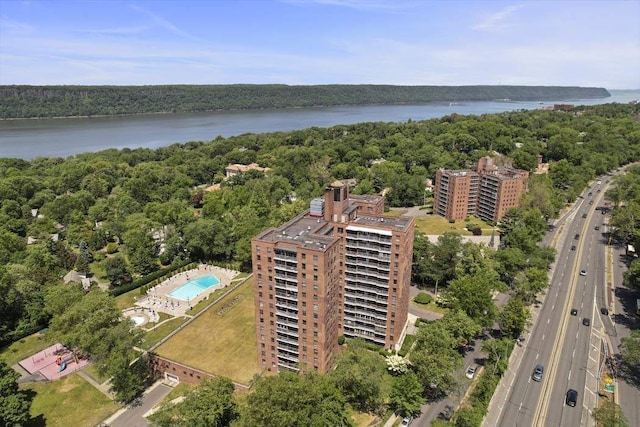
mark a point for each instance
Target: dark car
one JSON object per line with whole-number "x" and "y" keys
{"x": 590, "y": 202}
{"x": 574, "y": 311}
{"x": 584, "y": 215}
{"x": 573, "y": 247}
{"x": 537, "y": 373}
{"x": 572, "y": 397}
{"x": 577, "y": 236}
{"x": 586, "y": 321}
{"x": 605, "y": 311}
{"x": 597, "y": 227}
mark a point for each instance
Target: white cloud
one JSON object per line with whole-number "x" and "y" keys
{"x": 496, "y": 20}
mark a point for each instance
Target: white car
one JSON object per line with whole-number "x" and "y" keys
{"x": 406, "y": 421}
{"x": 471, "y": 371}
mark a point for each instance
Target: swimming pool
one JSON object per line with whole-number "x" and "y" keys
{"x": 194, "y": 287}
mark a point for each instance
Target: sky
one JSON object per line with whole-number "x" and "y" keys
{"x": 307, "y": 42}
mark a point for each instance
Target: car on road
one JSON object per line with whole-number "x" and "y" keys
{"x": 583, "y": 272}
{"x": 590, "y": 202}
{"x": 586, "y": 321}
{"x": 584, "y": 215}
{"x": 574, "y": 311}
{"x": 572, "y": 397}
{"x": 577, "y": 236}
{"x": 605, "y": 311}
{"x": 537, "y": 373}
{"x": 573, "y": 247}
{"x": 597, "y": 227}
{"x": 406, "y": 421}
{"x": 590, "y": 193}
{"x": 471, "y": 371}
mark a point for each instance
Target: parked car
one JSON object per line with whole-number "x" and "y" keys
{"x": 583, "y": 272}
{"x": 406, "y": 421}
{"x": 537, "y": 373}
{"x": 471, "y": 371}
{"x": 597, "y": 227}
{"x": 572, "y": 397}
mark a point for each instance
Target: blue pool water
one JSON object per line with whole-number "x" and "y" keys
{"x": 194, "y": 287}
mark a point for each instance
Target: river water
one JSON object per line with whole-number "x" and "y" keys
{"x": 27, "y": 139}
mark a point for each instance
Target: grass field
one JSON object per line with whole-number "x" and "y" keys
{"x": 433, "y": 224}
{"x": 154, "y": 336}
{"x": 128, "y": 299}
{"x": 223, "y": 345}
{"x": 70, "y": 401}
{"x": 25, "y": 347}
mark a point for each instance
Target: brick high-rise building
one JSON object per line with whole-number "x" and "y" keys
{"x": 487, "y": 192}
{"x": 339, "y": 268}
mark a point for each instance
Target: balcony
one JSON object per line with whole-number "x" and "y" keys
{"x": 286, "y": 322}
{"x": 288, "y": 366}
{"x": 287, "y": 342}
{"x": 291, "y": 314}
{"x": 282, "y": 303}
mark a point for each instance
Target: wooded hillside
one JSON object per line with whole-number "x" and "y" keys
{"x": 68, "y": 101}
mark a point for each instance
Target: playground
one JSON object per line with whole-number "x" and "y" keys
{"x": 53, "y": 362}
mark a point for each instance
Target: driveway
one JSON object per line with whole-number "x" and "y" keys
{"x": 133, "y": 416}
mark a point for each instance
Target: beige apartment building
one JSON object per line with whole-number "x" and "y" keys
{"x": 339, "y": 268}
{"x": 487, "y": 192}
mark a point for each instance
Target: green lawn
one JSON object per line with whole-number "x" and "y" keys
{"x": 154, "y": 336}
{"x": 434, "y": 224}
{"x": 70, "y": 401}
{"x": 224, "y": 344}
{"x": 432, "y": 307}
{"x": 93, "y": 372}
{"x": 128, "y": 299}
{"x": 25, "y": 347}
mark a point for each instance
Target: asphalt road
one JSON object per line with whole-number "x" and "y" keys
{"x": 133, "y": 416}
{"x": 559, "y": 341}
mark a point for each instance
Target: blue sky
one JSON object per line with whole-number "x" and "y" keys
{"x": 400, "y": 42}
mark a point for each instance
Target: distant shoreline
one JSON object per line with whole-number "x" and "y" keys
{"x": 23, "y": 102}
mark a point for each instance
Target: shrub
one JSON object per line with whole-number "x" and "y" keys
{"x": 423, "y": 298}
{"x": 452, "y": 221}
{"x": 341, "y": 340}
{"x": 112, "y": 248}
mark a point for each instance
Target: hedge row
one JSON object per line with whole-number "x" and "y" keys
{"x": 149, "y": 278}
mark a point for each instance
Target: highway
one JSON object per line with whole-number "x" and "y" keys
{"x": 559, "y": 341}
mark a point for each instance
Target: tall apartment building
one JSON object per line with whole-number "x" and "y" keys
{"x": 339, "y": 268}
{"x": 487, "y": 192}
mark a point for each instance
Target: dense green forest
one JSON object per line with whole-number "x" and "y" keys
{"x": 119, "y": 215}
{"x": 106, "y": 206}
{"x": 66, "y": 101}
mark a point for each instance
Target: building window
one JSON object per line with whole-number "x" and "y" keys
{"x": 315, "y": 258}
{"x": 257, "y": 248}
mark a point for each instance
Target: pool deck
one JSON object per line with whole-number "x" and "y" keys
{"x": 159, "y": 301}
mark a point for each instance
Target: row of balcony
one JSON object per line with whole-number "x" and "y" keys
{"x": 369, "y": 272}
{"x": 368, "y": 336}
{"x": 383, "y": 265}
{"x": 355, "y": 288}
{"x": 369, "y": 237}
{"x": 382, "y": 282}
{"x": 353, "y": 310}
{"x": 354, "y": 244}
{"x": 291, "y": 314}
